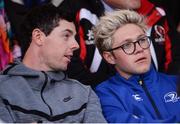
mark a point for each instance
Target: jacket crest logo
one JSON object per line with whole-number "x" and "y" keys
{"x": 90, "y": 37}
{"x": 67, "y": 99}
{"x": 137, "y": 97}
{"x": 171, "y": 97}
{"x": 159, "y": 34}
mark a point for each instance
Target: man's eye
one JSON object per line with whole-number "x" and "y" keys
{"x": 66, "y": 35}
{"x": 127, "y": 45}
{"x": 142, "y": 40}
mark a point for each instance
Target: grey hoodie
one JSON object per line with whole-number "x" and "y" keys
{"x": 30, "y": 96}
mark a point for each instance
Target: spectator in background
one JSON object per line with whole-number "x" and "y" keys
{"x": 172, "y": 9}
{"x": 137, "y": 93}
{"x": 5, "y": 37}
{"x": 88, "y": 67}
{"x": 37, "y": 90}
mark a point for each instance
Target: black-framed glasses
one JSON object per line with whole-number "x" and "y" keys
{"x": 130, "y": 46}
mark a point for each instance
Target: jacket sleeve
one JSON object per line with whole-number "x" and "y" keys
{"x": 93, "y": 112}
{"x": 5, "y": 116}
{"x": 115, "y": 112}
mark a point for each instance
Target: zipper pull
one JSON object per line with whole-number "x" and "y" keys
{"x": 140, "y": 82}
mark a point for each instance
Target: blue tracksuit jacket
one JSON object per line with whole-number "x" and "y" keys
{"x": 150, "y": 97}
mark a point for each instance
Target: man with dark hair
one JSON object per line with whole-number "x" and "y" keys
{"x": 37, "y": 89}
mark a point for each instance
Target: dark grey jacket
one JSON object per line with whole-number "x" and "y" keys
{"x": 27, "y": 96}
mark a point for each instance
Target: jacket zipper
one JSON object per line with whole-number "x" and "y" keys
{"x": 141, "y": 82}
{"x": 44, "y": 85}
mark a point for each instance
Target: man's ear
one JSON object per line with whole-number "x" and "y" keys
{"x": 108, "y": 56}
{"x": 38, "y": 36}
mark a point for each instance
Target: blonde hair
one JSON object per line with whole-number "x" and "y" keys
{"x": 109, "y": 23}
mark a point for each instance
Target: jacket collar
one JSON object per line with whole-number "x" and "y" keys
{"x": 148, "y": 78}
{"x": 37, "y": 78}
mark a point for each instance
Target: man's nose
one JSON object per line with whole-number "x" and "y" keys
{"x": 138, "y": 48}
{"x": 75, "y": 45}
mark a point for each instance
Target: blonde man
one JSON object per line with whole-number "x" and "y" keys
{"x": 137, "y": 93}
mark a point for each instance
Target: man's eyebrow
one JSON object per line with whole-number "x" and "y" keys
{"x": 141, "y": 35}
{"x": 68, "y": 30}
{"x": 129, "y": 39}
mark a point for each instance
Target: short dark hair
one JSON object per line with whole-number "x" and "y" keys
{"x": 45, "y": 17}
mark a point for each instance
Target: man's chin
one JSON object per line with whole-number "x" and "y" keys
{"x": 60, "y": 68}
{"x": 143, "y": 69}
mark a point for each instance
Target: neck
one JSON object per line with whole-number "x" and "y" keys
{"x": 33, "y": 60}
{"x": 124, "y": 74}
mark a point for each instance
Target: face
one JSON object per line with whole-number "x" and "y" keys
{"x": 128, "y": 65}
{"x": 124, "y": 4}
{"x": 58, "y": 47}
